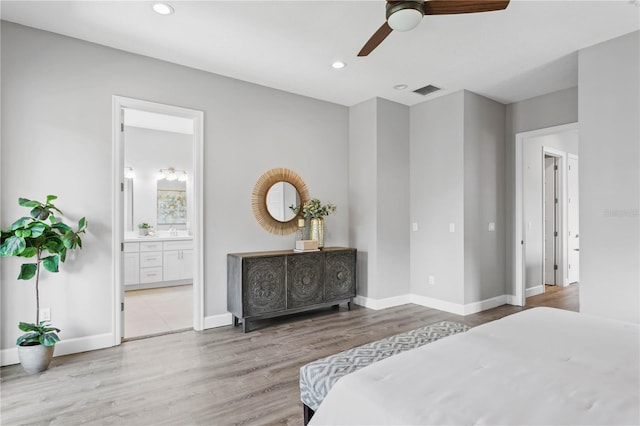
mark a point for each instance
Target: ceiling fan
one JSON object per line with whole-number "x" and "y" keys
{"x": 405, "y": 15}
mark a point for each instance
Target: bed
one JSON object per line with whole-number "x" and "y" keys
{"x": 541, "y": 366}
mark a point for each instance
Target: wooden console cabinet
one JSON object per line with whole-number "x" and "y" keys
{"x": 273, "y": 283}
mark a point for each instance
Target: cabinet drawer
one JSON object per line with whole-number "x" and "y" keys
{"x": 151, "y": 246}
{"x": 150, "y": 275}
{"x": 131, "y": 247}
{"x": 178, "y": 245}
{"x": 149, "y": 259}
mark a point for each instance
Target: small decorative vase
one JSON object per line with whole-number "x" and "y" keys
{"x": 35, "y": 358}
{"x": 316, "y": 231}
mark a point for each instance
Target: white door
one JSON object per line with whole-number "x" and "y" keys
{"x": 574, "y": 220}
{"x": 550, "y": 220}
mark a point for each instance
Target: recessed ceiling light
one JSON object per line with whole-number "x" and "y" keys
{"x": 163, "y": 8}
{"x": 400, "y": 86}
{"x": 338, "y": 64}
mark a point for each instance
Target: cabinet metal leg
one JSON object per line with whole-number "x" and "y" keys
{"x": 235, "y": 321}
{"x": 349, "y": 305}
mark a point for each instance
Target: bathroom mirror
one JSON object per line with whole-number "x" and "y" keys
{"x": 273, "y": 193}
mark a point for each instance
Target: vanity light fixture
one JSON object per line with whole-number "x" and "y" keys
{"x": 129, "y": 173}
{"x": 171, "y": 174}
{"x": 163, "y": 9}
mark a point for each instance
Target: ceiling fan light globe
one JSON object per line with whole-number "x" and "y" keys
{"x": 404, "y": 19}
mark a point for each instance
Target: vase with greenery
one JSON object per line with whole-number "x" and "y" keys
{"x": 44, "y": 239}
{"x": 315, "y": 211}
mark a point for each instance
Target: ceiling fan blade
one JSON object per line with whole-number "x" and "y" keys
{"x": 375, "y": 39}
{"x": 451, "y": 7}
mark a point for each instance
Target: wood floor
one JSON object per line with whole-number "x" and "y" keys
{"x": 216, "y": 377}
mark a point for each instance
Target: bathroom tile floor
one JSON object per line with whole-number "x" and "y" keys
{"x": 157, "y": 310}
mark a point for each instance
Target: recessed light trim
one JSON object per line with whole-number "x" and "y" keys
{"x": 400, "y": 86}
{"x": 338, "y": 65}
{"x": 163, "y": 9}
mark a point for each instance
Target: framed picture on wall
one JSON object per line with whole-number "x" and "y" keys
{"x": 172, "y": 207}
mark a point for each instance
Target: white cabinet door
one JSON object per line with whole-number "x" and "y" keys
{"x": 178, "y": 265}
{"x": 131, "y": 268}
{"x": 172, "y": 265}
{"x": 187, "y": 264}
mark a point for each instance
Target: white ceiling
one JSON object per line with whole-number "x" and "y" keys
{"x": 527, "y": 50}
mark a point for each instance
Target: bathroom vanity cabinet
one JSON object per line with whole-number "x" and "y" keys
{"x": 158, "y": 262}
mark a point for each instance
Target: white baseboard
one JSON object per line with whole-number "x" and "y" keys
{"x": 218, "y": 321}
{"x": 64, "y": 347}
{"x": 429, "y": 302}
{"x": 378, "y": 304}
{"x": 441, "y": 305}
{"x": 534, "y": 291}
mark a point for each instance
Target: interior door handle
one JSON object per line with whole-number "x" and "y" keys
{"x": 576, "y": 249}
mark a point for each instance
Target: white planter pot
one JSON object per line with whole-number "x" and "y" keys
{"x": 36, "y": 358}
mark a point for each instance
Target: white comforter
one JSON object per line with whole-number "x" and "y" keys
{"x": 541, "y": 366}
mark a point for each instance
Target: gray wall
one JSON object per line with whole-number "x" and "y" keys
{"x": 483, "y": 198}
{"x": 56, "y": 117}
{"x": 540, "y": 112}
{"x": 457, "y": 172}
{"x": 609, "y": 178}
{"x": 363, "y": 193}
{"x": 436, "y": 170}
{"x": 379, "y": 191}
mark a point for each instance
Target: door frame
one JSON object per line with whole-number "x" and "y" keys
{"x": 519, "y": 242}
{"x": 561, "y": 185}
{"x": 569, "y": 158}
{"x": 118, "y": 103}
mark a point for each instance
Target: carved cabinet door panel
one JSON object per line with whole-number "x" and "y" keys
{"x": 304, "y": 279}
{"x": 264, "y": 285}
{"x": 340, "y": 275}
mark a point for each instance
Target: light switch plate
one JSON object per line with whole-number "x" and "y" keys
{"x": 452, "y": 227}
{"x": 492, "y": 226}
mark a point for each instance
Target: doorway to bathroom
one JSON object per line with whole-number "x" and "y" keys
{"x": 158, "y": 216}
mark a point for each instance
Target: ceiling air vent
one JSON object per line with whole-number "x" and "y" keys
{"x": 424, "y": 91}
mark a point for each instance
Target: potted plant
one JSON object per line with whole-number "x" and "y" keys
{"x": 315, "y": 211}
{"x": 44, "y": 239}
{"x": 144, "y": 229}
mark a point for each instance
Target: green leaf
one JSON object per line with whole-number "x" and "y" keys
{"x": 61, "y": 226}
{"x": 37, "y": 229}
{"x": 13, "y": 246}
{"x": 70, "y": 240}
{"x": 27, "y": 326}
{"x": 40, "y": 213}
{"x": 20, "y": 223}
{"x": 27, "y": 271}
{"x": 82, "y": 224}
{"x": 28, "y": 338}
{"x": 24, "y": 202}
{"x": 29, "y": 252}
{"x": 49, "y": 339}
{"x": 50, "y": 198}
{"x": 50, "y": 263}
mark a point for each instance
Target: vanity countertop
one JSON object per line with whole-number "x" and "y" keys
{"x": 139, "y": 238}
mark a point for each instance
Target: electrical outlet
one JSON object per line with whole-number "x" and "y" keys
{"x": 45, "y": 314}
{"x": 432, "y": 280}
